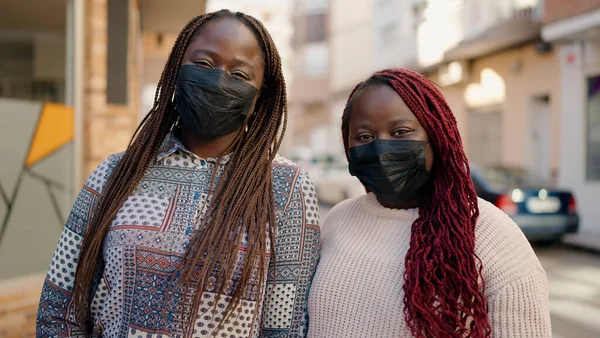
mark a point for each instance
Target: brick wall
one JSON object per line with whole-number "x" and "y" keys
{"x": 555, "y": 10}
{"x": 107, "y": 128}
{"x": 19, "y": 300}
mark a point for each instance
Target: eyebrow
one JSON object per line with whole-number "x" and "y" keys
{"x": 203, "y": 51}
{"x": 402, "y": 120}
{"x": 243, "y": 62}
{"x": 362, "y": 125}
{"x": 236, "y": 60}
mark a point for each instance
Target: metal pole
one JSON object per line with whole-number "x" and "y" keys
{"x": 78, "y": 43}
{"x": 69, "y": 55}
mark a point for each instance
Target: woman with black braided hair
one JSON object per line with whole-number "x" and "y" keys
{"x": 199, "y": 228}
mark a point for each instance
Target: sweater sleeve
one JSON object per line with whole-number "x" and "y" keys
{"x": 55, "y": 314}
{"x": 521, "y": 308}
{"x": 515, "y": 282}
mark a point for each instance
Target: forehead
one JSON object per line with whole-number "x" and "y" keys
{"x": 379, "y": 104}
{"x": 227, "y": 37}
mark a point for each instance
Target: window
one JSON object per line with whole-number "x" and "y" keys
{"x": 520, "y": 4}
{"x": 593, "y": 129}
{"x": 485, "y": 136}
{"x": 116, "y": 68}
{"x": 316, "y": 6}
{"x": 316, "y": 59}
{"x": 316, "y": 27}
{"x": 32, "y": 70}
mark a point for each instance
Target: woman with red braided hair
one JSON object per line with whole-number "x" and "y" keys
{"x": 420, "y": 255}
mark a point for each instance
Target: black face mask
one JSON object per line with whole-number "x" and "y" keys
{"x": 210, "y": 102}
{"x": 393, "y": 170}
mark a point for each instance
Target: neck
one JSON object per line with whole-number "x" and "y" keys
{"x": 410, "y": 204}
{"x": 206, "y": 148}
{"x": 414, "y": 202}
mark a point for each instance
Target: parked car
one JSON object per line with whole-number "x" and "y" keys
{"x": 543, "y": 212}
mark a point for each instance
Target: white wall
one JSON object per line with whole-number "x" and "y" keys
{"x": 394, "y": 34}
{"x": 369, "y": 35}
{"x": 351, "y": 27}
{"x": 366, "y": 36}
{"x": 337, "y": 109}
{"x": 572, "y": 151}
{"x": 441, "y": 29}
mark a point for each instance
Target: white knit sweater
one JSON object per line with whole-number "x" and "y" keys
{"x": 357, "y": 289}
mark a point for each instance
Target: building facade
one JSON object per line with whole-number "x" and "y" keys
{"x": 574, "y": 28}
{"x": 72, "y": 74}
{"x": 521, "y": 78}
{"x": 308, "y": 91}
{"x": 502, "y": 82}
{"x": 336, "y": 46}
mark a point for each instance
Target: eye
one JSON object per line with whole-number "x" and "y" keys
{"x": 400, "y": 132}
{"x": 364, "y": 137}
{"x": 240, "y": 75}
{"x": 203, "y": 63}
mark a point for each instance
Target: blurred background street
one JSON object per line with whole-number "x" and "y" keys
{"x": 521, "y": 76}
{"x": 573, "y": 277}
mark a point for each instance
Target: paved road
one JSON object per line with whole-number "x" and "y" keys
{"x": 574, "y": 281}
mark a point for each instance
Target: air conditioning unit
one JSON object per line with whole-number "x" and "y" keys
{"x": 453, "y": 73}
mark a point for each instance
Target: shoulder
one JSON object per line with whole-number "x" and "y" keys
{"x": 342, "y": 212}
{"x": 285, "y": 169}
{"x": 291, "y": 183}
{"x": 281, "y": 161}
{"x": 505, "y": 252}
{"x": 90, "y": 194}
{"x": 493, "y": 222}
{"x": 287, "y": 172}
{"x": 102, "y": 172}
{"x": 346, "y": 207}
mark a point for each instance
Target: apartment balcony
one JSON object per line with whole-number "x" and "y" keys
{"x": 571, "y": 20}
{"x": 495, "y": 25}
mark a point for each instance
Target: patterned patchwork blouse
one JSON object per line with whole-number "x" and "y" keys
{"x": 148, "y": 239}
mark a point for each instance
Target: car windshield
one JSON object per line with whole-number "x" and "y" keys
{"x": 510, "y": 178}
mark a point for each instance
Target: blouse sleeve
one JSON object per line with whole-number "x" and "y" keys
{"x": 297, "y": 248}
{"x": 55, "y": 314}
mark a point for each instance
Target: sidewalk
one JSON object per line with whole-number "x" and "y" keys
{"x": 584, "y": 240}
{"x": 19, "y": 300}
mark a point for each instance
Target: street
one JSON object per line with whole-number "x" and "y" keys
{"x": 574, "y": 282}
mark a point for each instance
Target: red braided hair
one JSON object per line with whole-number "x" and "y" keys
{"x": 443, "y": 287}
